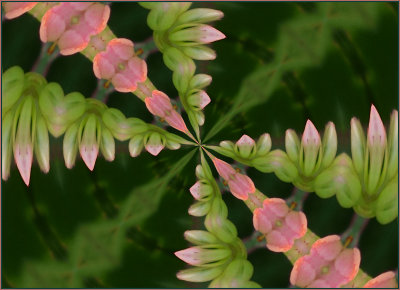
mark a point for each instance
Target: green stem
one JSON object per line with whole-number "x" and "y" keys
{"x": 45, "y": 59}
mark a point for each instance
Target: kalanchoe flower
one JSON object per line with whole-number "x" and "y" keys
{"x": 212, "y": 254}
{"x": 159, "y": 104}
{"x": 198, "y": 34}
{"x": 310, "y": 148}
{"x": 16, "y": 9}
{"x": 385, "y": 280}
{"x": 245, "y": 146}
{"x": 72, "y": 24}
{"x": 328, "y": 265}
{"x": 280, "y": 225}
{"x": 120, "y": 65}
{"x": 24, "y": 131}
{"x": 239, "y": 184}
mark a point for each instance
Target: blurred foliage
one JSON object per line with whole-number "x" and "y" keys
{"x": 280, "y": 64}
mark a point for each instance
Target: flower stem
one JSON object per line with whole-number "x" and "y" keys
{"x": 145, "y": 48}
{"x": 353, "y": 233}
{"x": 47, "y": 55}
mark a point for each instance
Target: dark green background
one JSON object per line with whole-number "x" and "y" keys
{"x": 354, "y": 61}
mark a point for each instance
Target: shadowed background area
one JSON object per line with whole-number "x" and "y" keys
{"x": 281, "y": 64}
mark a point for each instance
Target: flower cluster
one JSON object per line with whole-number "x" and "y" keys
{"x": 219, "y": 255}
{"x": 71, "y": 25}
{"x": 328, "y": 265}
{"x": 181, "y": 34}
{"x": 280, "y": 225}
{"x": 24, "y": 130}
{"x": 367, "y": 182}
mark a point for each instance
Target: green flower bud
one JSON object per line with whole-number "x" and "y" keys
{"x": 70, "y": 144}
{"x": 163, "y": 15}
{"x": 292, "y": 145}
{"x": 23, "y": 143}
{"x": 393, "y": 146}
{"x": 154, "y": 143}
{"x": 136, "y": 145}
{"x": 237, "y": 272}
{"x": 41, "y": 147}
{"x": 6, "y": 144}
{"x": 310, "y": 151}
{"x": 107, "y": 144}
{"x": 199, "y": 238}
{"x": 329, "y": 145}
{"x": 12, "y": 87}
{"x": 196, "y": 34}
{"x": 89, "y": 141}
{"x": 339, "y": 179}
{"x": 58, "y": 110}
{"x": 200, "y": 274}
{"x": 357, "y": 145}
{"x": 199, "y": 208}
{"x": 200, "y": 81}
{"x": 376, "y": 150}
{"x": 263, "y": 144}
{"x": 121, "y": 127}
{"x": 222, "y": 228}
{"x": 211, "y": 255}
{"x": 200, "y": 15}
{"x": 245, "y": 147}
{"x": 200, "y": 174}
{"x": 387, "y": 203}
{"x": 277, "y": 161}
{"x": 199, "y": 52}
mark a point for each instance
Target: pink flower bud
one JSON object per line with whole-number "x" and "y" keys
{"x": 239, "y": 184}
{"x": 120, "y": 65}
{"x": 71, "y": 25}
{"x": 159, "y": 104}
{"x": 279, "y": 224}
{"x": 328, "y": 265}
{"x": 376, "y": 130}
{"x": 311, "y": 143}
{"x": 16, "y": 9}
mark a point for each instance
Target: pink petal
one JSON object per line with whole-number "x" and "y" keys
{"x": 80, "y": 6}
{"x": 277, "y": 206}
{"x": 51, "y": 27}
{"x": 224, "y": 169}
{"x": 328, "y": 247}
{"x": 277, "y": 242}
{"x": 333, "y": 278}
{"x": 121, "y": 48}
{"x": 138, "y": 68}
{"x": 348, "y": 263}
{"x": 195, "y": 190}
{"x": 319, "y": 284}
{"x": 261, "y": 222}
{"x": 102, "y": 68}
{"x": 23, "y": 155}
{"x": 175, "y": 121}
{"x": 208, "y": 34}
{"x": 297, "y": 222}
{"x": 71, "y": 42}
{"x": 16, "y": 9}
{"x": 123, "y": 84}
{"x": 302, "y": 273}
{"x": 204, "y": 99}
{"x": 385, "y": 280}
{"x": 97, "y": 17}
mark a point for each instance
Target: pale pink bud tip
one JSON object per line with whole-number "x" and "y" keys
{"x": 328, "y": 265}
{"x": 204, "y": 99}
{"x": 190, "y": 256}
{"x": 195, "y": 190}
{"x": 385, "y": 280}
{"x": 16, "y": 9}
{"x": 120, "y": 65}
{"x": 279, "y": 224}
{"x": 245, "y": 140}
{"x": 210, "y": 34}
{"x": 376, "y": 129}
{"x": 71, "y": 25}
{"x": 89, "y": 155}
{"x": 23, "y": 156}
{"x": 311, "y": 135}
{"x": 154, "y": 149}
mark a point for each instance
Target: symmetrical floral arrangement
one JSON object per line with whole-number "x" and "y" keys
{"x": 366, "y": 181}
